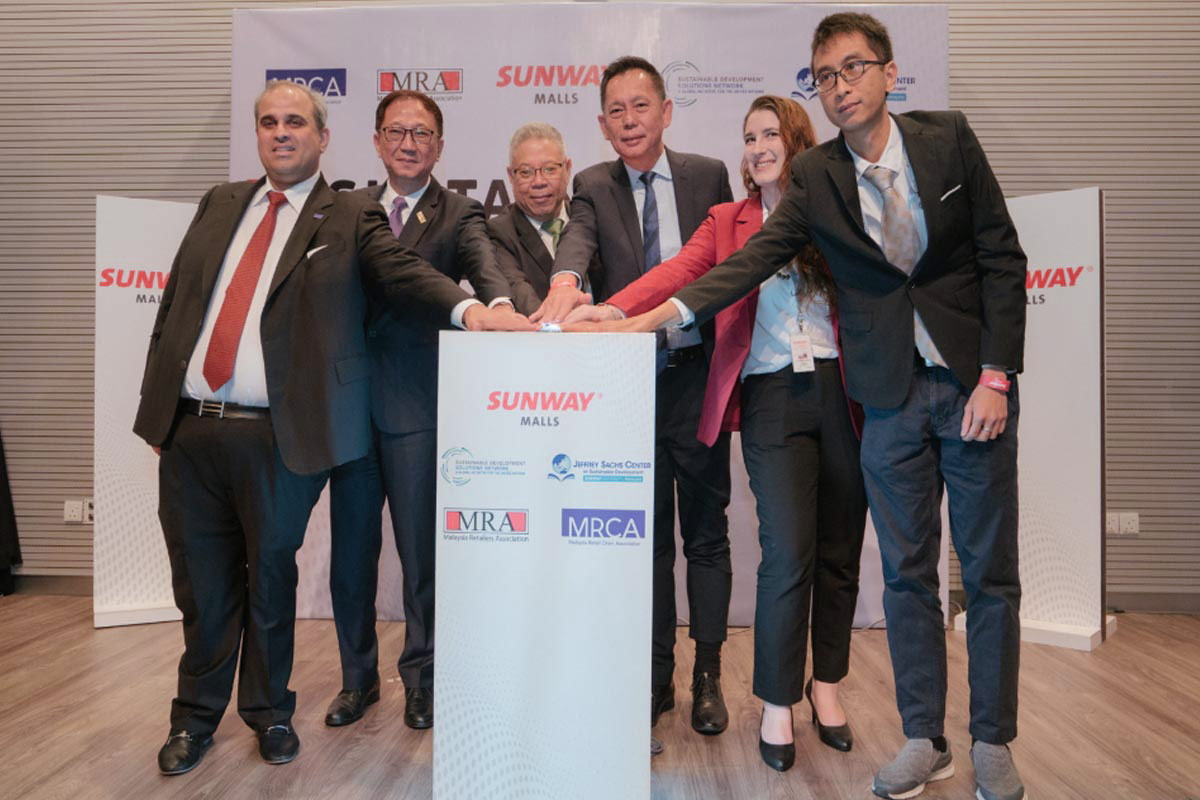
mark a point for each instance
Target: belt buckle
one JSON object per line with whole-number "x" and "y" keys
{"x": 212, "y": 408}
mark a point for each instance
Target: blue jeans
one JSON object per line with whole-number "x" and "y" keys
{"x": 909, "y": 454}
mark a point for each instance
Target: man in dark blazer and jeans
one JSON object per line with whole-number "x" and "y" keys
{"x": 447, "y": 230}
{"x": 631, "y": 214}
{"x": 255, "y": 387}
{"x": 931, "y": 298}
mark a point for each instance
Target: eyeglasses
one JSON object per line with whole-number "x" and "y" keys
{"x": 850, "y": 73}
{"x": 396, "y": 135}
{"x": 549, "y": 171}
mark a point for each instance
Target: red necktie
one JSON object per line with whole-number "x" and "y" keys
{"x": 227, "y": 331}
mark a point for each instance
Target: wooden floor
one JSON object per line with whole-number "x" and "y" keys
{"x": 83, "y": 713}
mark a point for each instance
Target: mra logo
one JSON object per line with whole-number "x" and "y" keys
{"x": 486, "y": 520}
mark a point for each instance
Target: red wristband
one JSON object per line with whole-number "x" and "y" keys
{"x": 999, "y": 384}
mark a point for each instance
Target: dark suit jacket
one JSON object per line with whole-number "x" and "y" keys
{"x": 312, "y": 326}
{"x": 403, "y": 343}
{"x": 969, "y": 285}
{"x": 522, "y": 257}
{"x": 605, "y": 223}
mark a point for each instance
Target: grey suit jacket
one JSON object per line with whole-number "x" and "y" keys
{"x": 605, "y": 225}
{"x": 446, "y": 229}
{"x": 312, "y": 326}
{"x": 522, "y": 257}
{"x": 969, "y": 285}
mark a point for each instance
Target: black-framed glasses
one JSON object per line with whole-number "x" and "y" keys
{"x": 849, "y": 73}
{"x": 549, "y": 171}
{"x": 397, "y": 134}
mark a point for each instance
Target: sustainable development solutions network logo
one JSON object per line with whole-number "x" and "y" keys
{"x": 459, "y": 466}
{"x": 686, "y": 83}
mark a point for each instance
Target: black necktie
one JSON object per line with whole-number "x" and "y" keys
{"x": 650, "y": 223}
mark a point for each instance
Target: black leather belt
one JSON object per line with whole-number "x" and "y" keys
{"x": 684, "y": 354}
{"x": 212, "y": 408}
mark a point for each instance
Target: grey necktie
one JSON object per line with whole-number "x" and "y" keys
{"x": 901, "y": 245}
{"x": 901, "y": 242}
{"x": 395, "y": 221}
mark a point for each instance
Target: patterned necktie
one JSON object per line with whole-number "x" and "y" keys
{"x": 394, "y": 219}
{"x": 554, "y": 228}
{"x": 650, "y": 223}
{"x": 901, "y": 242}
{"x": 231, "y": 320}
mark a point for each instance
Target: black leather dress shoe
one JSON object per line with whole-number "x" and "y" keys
{"x": 709, "y": 715}
{"x": 779, "y": 757}
{"x": 182, "y": 752}
{"x": 278, "y": 744}
{"x": 350, "y": 705}
{"x": 838, "y": 737}
{"x": 418, "y": 708}
{"x": 662, "y": 698}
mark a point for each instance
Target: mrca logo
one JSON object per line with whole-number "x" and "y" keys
{"x": 804, "y": 82}
{"x": 325, "y": 82}
{"x": 603, "y": 523}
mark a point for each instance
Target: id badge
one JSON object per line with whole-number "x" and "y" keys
{"x": 802, "y": 353}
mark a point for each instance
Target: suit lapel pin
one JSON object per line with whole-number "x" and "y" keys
{"x": 421, "y": 217}
{"x": 318, "y": 215}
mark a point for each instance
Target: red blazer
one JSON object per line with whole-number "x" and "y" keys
{"x": 725, "y": 231}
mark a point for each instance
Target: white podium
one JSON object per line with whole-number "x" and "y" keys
{"x": 545, "y": 502}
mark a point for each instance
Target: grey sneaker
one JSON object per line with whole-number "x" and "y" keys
{"x": 995, "y": 774}
{"x": 917, "y": 764}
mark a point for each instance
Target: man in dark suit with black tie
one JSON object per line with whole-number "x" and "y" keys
{"x": 931, "y": 301}
{"x": 255, "y": 387}
{"x": 526, "y": 233}
{"x": 448, "y": 231}
{"x": 631, "y": 214}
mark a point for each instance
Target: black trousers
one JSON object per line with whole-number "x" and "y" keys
{"x": 700, "y": 476}
{"x": 908, "y": 454}
{"x": 402, "y": 468}
{"x": 233, "y": 516}
{"x": 802, "y": 456}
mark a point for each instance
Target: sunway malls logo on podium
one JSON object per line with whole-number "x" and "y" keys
{"x": 438, "y": 83}
{"x": 540, "y": 409}
{"x": 1037, "y": 280}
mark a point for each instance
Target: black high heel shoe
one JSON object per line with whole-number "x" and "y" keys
{"x": 838, "y": 737}
{"x": 778, "y": 757}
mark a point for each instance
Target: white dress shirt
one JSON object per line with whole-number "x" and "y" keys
{"x": 388, "y": 200}
{"x": 871, "y": 201}
{"x": 779, "y": 317}
{"x": 670, "y": 241}
{"x": 248, "y": 386}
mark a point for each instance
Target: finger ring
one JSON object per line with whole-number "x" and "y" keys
{"x": 987, "y": 430}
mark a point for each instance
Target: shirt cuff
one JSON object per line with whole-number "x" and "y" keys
{"x": 578, "y": 278}
{"x": 684, "y": 312}
{"x": 497, "y": 301}
{"x": 996, "y": 367}
{"x": 459, "y": 311}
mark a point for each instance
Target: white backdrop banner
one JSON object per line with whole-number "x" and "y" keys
{"x": 135, "y": 243}
{"x": 1060, "y": 461}
{"x": 545, "y": 504}
{"x": 544, "y": 62}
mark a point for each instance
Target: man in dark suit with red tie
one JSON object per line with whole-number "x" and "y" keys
{"x": 630, "y": 214}
{"x": 931, "y": 299}
{"x": 255, "y": 387}
{"x": 448, "y": 231}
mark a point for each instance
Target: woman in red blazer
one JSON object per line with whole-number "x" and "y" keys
{"x": 776, "y": 376}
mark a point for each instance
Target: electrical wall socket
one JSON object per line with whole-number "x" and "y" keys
{"x": 89, "y": 511}
{"x": 72, "y": 511}
{"x": 1129, "y": 523}
{"x": 1112, "y": 523}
